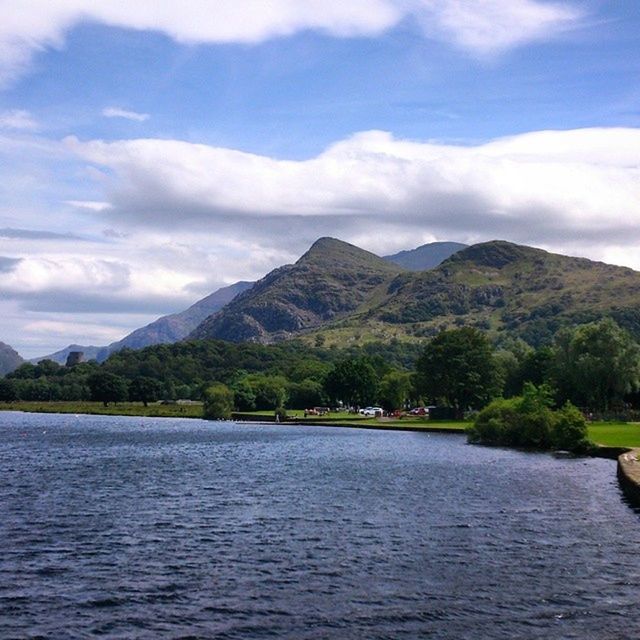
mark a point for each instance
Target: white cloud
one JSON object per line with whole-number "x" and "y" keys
{"x": 116, "y": 112}
{"x": 17, "y": 119}
{"x": 92, "y": 205}
{"x": 480, "y": 27}
{"x": 580, "y": 184}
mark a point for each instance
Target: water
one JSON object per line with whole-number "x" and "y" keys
{"x": 143, "y": 528}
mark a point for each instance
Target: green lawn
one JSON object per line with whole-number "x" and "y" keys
{"x": 615, "y": 434}
{"x": 97, "y": 408}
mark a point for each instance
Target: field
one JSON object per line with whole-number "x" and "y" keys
{"x": 615, "y": 434}
{"x": 155, "y": 410}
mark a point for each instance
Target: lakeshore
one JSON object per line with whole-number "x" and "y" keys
{"x": 622, "y": 435}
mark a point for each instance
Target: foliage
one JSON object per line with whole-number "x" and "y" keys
{"x": 218, "y": 402}
{"x": 8, "y": 391}
{"x": 270, "y": 391}
{"x": 305, "y": 394}
{"x": 107, "y": 387}
{"x": 597, "y": 364}
{"x": 395, "y": 390}
{"x": 352, "y": 381}
{"x": 144, "y": 389}
{"x": 458, "y": 368}
{"x": 528, "y": 421}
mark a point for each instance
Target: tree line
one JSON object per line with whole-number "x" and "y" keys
{"x": 595, "y": 366}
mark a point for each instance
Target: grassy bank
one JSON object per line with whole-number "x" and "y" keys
{"x": 97, "y": 408}
{"x": 615, "y": 434}
{"x": 610, "y": 434}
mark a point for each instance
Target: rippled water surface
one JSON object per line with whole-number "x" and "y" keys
{"x": 143, "y": 528}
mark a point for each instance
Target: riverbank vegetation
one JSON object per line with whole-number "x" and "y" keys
{"x": 595, "y": 366}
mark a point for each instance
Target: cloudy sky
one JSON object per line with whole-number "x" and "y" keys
{"x": 153, "y": 151}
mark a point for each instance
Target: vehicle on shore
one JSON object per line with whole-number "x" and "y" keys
{"x": 372, "y": 411}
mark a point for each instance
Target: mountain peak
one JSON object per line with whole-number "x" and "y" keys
{"x": 331, "y": 253}
{"x": 496, "y": 254}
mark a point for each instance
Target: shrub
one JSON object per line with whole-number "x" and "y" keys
{"x": 528, "y": 421}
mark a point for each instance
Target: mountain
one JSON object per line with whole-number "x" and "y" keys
{"x": 508, "y": 289}
{"x": 9, "y": 359}
{"x": 176, "y": 326}
{"x": 332, "y": 280}
{"x": 425, "y": 257}
{"x": 348, "y": 296}
{"x": 167, "y": 329}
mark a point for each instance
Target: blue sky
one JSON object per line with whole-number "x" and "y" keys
{"x": 150, "y": 154}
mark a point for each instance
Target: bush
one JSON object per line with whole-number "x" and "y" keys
{"x": 570, "y": 430}
{"x": 528, "y": 421}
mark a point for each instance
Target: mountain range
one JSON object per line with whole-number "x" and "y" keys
{"x": 339, "y": 294}
{"x": 177, "y": 326}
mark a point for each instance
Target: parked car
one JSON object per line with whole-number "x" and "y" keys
{"x": 371, "y": 411}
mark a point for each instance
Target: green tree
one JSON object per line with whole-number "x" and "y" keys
{"x": 353, "y": 381}
{"x": 597, "y": 364}
{"x": 218, "y": 402}
{"x": 8, "y": 390}
{"x": 107, "y": 387}
{"x": 144, "y": 389}
{"x": 305, "y": 394}
{"x": 270, "y": 391}
{"x": 245, "y": 396}
{"x": 395, "y": 390}
{"x": 458, "y": 368}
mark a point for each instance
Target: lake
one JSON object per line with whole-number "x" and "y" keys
{"x": 160, "y": 528}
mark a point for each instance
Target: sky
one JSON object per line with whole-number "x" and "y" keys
{"x": 152, "y": 152}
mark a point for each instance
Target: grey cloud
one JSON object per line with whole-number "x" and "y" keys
{"x": 65, "y": 301}
{"x": 8, "y": 264}
{"x": 36, "y": 234}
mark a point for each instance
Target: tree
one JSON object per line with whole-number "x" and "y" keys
{"x": 458, "y": 368}
{"x": 270, "y": 391}
{"x": 307, "y": 393}
{"x": 395, "y": 390}
{"x": 8, "y": 390}
{"x": 353, "y": 381}
{"x": 218, "y": 402}
{"x": 144, "y": 389}
{"x": 107, "y": 387}
{"x": 597, "y": 364}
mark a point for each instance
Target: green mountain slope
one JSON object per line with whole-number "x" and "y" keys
{"x": 332, "y": 280}
{"x": 425, "y": 257}
{"x": 349, "y": 296}
{"x": 509, "y": 289}
{"x": 9, "y": 359}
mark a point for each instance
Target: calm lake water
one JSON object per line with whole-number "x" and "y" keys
{"x": 146, "y": 528}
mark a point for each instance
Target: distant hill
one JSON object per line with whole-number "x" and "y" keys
{"x": 10, "y": 359}
{"x": 508, "y": 289}
{"x": 425, "y": 257}
{"x": 332, "y": 280}
{"x": 348, "y": 296}
{"x": 164, "y": 330}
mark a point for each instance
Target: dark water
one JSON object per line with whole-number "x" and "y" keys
{"x": 142, "y": 528}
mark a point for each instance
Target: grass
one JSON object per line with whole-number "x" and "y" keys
{"x": 615, "y": 434}
{"x": 97, "y": 408}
